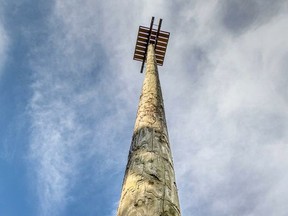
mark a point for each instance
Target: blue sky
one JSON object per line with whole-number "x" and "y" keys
{"x": 69, "y": 92}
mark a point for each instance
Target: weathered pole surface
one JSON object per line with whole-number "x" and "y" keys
{"x": 149, "y": 187}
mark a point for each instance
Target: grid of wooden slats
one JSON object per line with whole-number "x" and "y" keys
{"x": 160, "y": 44}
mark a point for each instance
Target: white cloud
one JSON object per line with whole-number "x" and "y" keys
{"x": 225, "y": 97}
{"x": 232, "y": 121}
{"x": 4, "y": 43}
{"x": 76, "y": 108}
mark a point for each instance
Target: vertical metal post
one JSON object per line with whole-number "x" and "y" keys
{"x": 151, "y": 27}
{"x": 158, "y": 32}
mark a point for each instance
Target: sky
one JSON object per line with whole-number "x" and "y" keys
{"x": 69, "y": 91}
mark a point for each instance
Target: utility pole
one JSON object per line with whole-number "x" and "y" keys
{"x": 149, "y": 186}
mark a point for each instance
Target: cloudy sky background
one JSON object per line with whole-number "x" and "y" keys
{"x": 69, "y": 91}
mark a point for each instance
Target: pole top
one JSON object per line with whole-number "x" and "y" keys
{"x": 148, "y": 36}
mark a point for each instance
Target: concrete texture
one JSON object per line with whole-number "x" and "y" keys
{"x": 149, "y": 186}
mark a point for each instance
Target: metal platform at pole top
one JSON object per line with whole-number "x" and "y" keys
{"x": 148, "y": 36}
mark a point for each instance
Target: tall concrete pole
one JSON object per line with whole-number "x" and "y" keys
{"x": 149, "y": 187}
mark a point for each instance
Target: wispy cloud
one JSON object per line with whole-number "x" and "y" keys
{"x": 75, "y": 108}
{"x": 4, "y": 43}
{"x": 225, "y": 97}
{"x": 232, "y": 121}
